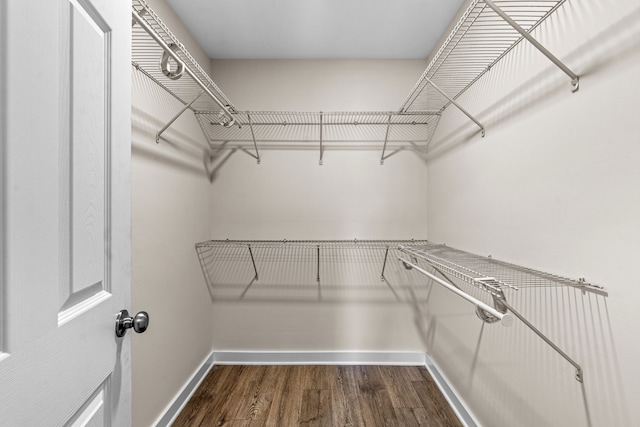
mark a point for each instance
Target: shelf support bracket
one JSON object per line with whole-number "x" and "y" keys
{"x": 384, "y": 263}
{"x": 321, "y": 148}
{"x": 253, "y": 261}
{"x": 579, "y": 372}
{"x": 318, "y": 271}
{"x": 386, "y": 138}
{"x": 453, "y": 101}
{"x": 253, "y": 136}
{"x": 575, "y": 80}
{"x": 174, "y": 118}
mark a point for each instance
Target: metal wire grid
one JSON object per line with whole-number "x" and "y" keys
{"x": 479, "y": 40}
{"x": 315, "y": 127}
{"x": 147, "y": 54}
{"x": 306, "y": 271}
{"x": 478, "y": 271}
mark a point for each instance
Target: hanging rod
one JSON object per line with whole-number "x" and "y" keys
{"x": 486, "y": 32}
{"x": 474, "y": 270}
{"x": 507, "y": 319}
{"x": 171, "y": 53}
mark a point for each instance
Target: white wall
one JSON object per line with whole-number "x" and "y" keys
{"x": 553, "y": 186}
{"x": 171, "y": 210}
{"x": 290, "y": 196}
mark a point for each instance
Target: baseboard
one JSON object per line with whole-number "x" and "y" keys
{"x": 455, "y": 402}
{"x": 318, "y": 358}
{"x": 180, "y": 400}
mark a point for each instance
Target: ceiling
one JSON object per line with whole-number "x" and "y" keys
{"x": 317, "y": 29}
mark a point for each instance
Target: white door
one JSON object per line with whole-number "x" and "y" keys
{"x": 65, "y": 195}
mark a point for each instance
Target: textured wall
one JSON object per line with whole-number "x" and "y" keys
{"x": 171, "y": 209}
{"x": 553, "y": 186}
{"x": 290, "y": 196}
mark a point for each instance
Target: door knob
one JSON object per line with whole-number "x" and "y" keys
{"x": 139, "y": 323}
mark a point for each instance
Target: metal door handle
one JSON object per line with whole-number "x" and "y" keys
{"x": 139, "y": 323}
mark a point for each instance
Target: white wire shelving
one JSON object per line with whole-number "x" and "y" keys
{"x": 306, "y": 270}
{"x": 486, "y": 32}
{"x": 380, "y": 271}
{"x": 468, "y": 275}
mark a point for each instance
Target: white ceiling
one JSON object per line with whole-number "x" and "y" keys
{"x": 317, "y": 29}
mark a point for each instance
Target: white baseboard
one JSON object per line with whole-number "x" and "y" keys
{"x": 180, "y": 400}
{"x": 318, "y": 358}
{"x": 460, "y": 409}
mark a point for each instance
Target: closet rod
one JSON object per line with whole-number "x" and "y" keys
{"x": 143, "y": 24}
{"x": 575, "y": 80}
{"x": 507, "y": 319}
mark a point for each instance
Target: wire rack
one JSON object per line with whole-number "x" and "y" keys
{"x": 147, "y": 54}
{"x": 333, "y": 271}
{"x": 490, "y": 274}
{"x": 479, "y": 40}
{"x": 370, "y": 271}
{"x": 334, "y": 130}
{"x": 486, "y": 32}
{"x": 468, "y": 275}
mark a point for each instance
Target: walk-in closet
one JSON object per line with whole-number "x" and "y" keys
{"x": 336, "y": 213}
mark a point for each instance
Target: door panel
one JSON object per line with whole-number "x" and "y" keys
{"x": 85, "y": 155}
{"x": 94, "y": 412}
{"x": 65, "y": 196}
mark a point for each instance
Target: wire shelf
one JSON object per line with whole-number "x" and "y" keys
{"x": 326, "y": 127}
{"x": 490, "y": 274}
{"x": 369, "y": 271}
{"x": 479, "y": 40}
{"x": 487, "y": 31}
{"x": 313, "y": 270}
{"x": 146, "y": 56}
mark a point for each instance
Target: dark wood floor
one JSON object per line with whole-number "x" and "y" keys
{"x": 283, "y": 396}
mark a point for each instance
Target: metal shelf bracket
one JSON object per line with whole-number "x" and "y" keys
{"x": 575, "y": 79}
{"x": 453, "y": 101}
{"x": 174, "y": 118}
{"x": 321, "y": 147}
{"x": 253, "y": 136}
{"x": 501, "y": 311}
{"x": 386, "y": 138}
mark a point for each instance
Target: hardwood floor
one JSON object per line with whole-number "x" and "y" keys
{"x": 283, "y": 396}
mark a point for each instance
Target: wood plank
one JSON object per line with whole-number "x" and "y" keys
{"x": 375, "y": 402}
{"x": 228, "y": 400}
{"x": 288, "y": 412}
{"x": 282, "y": 374}
{"x": 415, "y": 373}
{"x": 342, "y": 410}
{"x": 438, "y": 410}
{"x": 258, "y": 405}
{"x": 407, "y": 417}
{"x": 318, "y": 377}
{"x": 316, "y": 408}
{"x": 396, "y": 384}
{"x": 203, "y": 400}
{"x": 281, "y": 396}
